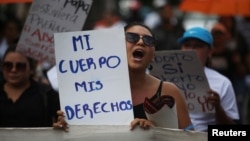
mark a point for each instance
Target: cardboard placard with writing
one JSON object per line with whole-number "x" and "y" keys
{"x": 93, "y": 77}
{"x": 184, "y": 69}
{"x": 47, "y": 17}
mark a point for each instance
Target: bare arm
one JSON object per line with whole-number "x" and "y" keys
{"x": 184, "y": 120}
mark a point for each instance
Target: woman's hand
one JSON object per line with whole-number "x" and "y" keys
{"x": 143, "y": 123}
{"x": 61, "y": 123}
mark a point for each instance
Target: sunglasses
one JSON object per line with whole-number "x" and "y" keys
{"x": 19, "y": 66}
{"x": 134, "y": 38}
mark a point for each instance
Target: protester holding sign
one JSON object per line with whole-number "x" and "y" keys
{"x": 140, "y": 43}
{"x": 23, "y": 101}
{"x": 221, "y": 95}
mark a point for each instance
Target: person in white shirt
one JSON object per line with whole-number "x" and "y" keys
{"x": 221, "y": 93}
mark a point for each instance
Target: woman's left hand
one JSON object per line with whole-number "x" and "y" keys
{"x": 143, "y": 123}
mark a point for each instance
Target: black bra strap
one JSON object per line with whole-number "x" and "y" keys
{"x": 159, "y": 89}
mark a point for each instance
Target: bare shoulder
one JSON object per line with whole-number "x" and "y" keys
{"x": 169, "y": 88}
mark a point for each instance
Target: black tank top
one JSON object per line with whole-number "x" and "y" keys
{"x": 139, "y": 110}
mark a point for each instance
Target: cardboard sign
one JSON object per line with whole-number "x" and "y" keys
{"x": 185, "y": 70}
{"x": 93, "y": 77}
{"x": 47, "y": 17}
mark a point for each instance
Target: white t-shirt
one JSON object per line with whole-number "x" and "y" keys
{"x": 223, "y": 86}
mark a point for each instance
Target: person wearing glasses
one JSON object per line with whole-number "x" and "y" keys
{"x": 23, "y": 101}
{"x": 222, "y": 94}
{"x": 140, "y": 46}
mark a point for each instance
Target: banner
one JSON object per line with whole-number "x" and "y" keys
{"x": 100, "y": 133}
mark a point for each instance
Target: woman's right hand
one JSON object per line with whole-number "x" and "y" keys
{"x": 143, "y": 123}
{"x": 61, "y": 123}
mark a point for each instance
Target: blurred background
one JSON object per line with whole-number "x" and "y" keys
{"x": 228, "y": 21}
{"x": 127, "y": 10}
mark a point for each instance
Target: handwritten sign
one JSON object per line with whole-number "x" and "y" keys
{"x": 47, "y": 17}
{"x": 93, "y": 77}
{"x": 185, "y": 70}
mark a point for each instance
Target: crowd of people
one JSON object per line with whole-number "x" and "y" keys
{"x": 230, "y": 51}
{"x": 223, "y": 51}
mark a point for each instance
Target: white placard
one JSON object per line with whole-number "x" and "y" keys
{"x": 185, "y": 70}
{"x": 93, "y": 77}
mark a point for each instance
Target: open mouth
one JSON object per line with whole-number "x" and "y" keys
{"x": 138, "y": 54}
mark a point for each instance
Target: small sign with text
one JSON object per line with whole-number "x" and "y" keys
{"x": 240, "y": 132}
{"x": 184, "y": 69}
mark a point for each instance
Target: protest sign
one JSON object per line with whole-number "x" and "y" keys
{"x": 185, "y": 70}
{"x": 162, "y": 111}
{"x": 93, "y": 77}
{"x": 47, "y": 17}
